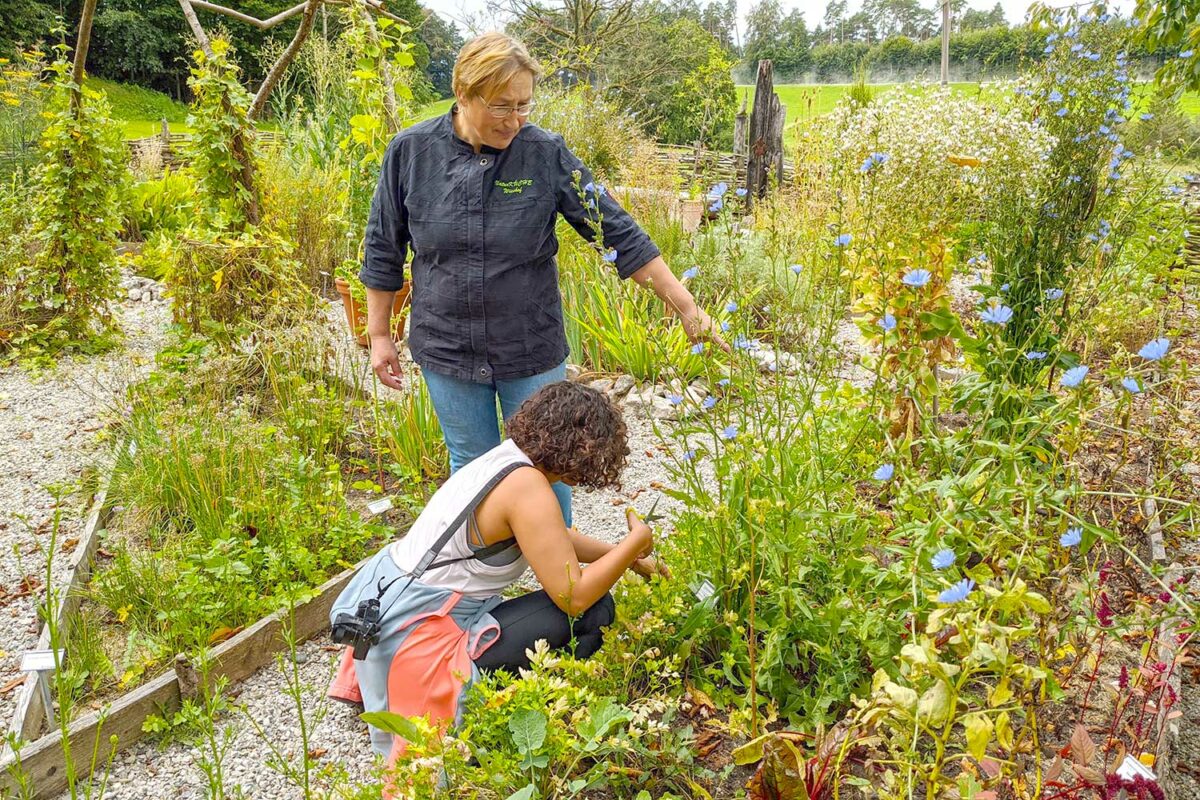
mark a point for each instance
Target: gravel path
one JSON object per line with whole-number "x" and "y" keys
{"x": 51, "y": 429}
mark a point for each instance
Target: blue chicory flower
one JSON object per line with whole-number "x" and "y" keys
{"x": 729, "y": 433}
{"x": 1035, "y": 355}
{"x": 740, "y": 192}
{"x": 719, "y": 190}
{"x": 888, "y": 323}
{"x": 884, "y": 473}
{"x": 709, "y": 402}
{"x": 731, "y": 307}
{"x": 797, "y": 269}
{"x": 1146, "y": 117}
{"x": 1074, "y": 376}
{"x": 997, "y": 315}
{"x": 690, "y": 273}
{"x": 1131, "y": 385}
{"x": 943, "y": 559}
{"x": 1055, "y": 96}
{"x": 716, "y": 206}
{"x": 843, "y": 239}
{"x": 725, "y": 326}
{"x": 958, "y": 592}
{"x": 1187, "y": 54}
{"x": 689, "y": 455}
{"x": 1154, "y": 350}
{"x": 675, "y": 399}
{"x": 1004, "y": 287}
{"x": 1062, "y": 112}
{"x": 610, "y": 255}
{"x": 697, "y": 348}
{"x": 916, "y": 278}
{"x": 1054, "y": 294}
{"x": 723, "y": 382}
{"x": 1072, "y": 537}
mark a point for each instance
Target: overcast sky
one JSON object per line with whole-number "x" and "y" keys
{"x": 472, "y": 14}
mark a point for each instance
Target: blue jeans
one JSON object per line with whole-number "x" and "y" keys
{"x": 467, "y": 414}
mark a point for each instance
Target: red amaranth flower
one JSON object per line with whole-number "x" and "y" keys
{"x": 1104, "y": 612}
{"x": 1123, "y": 680}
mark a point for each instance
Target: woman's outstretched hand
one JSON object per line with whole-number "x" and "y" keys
{"x": 385, "y": 361}
{"x": 699, "y": 327}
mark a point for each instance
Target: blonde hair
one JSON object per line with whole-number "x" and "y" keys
{"x": 488, "y": 62}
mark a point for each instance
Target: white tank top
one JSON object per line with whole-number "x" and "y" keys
{"x": 472, "y": 577}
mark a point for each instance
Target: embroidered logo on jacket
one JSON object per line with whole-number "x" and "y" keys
{"x": 514, "y": 187}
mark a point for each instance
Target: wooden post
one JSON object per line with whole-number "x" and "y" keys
{"x": 739, "y": 130}
{"x": 81, "y": 50}
{"x": 765, "y": 139}
{"x": 779, "y": 125}
{"x": 945, "y": 42}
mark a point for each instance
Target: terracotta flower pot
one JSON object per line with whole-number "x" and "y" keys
{"x": 356, "y": 315}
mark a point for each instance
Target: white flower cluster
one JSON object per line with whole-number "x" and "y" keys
{"x": 923, "y": 157}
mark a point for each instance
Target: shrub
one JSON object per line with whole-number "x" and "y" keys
{"x": 303, "y": 202}
{"x": 166, "y": 204}
{"x": 222, "y": 283}
{"x": 23, "y": 101}
{"x": 67, "y": 280}
{"x": 596, "y": 129}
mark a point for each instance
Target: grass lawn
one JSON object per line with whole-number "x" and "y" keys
{"x": 805, "y": 101}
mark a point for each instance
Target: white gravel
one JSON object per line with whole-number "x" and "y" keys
{"x": 51, "y": 428}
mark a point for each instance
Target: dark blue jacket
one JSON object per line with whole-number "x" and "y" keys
{"x": 485, "y": 298}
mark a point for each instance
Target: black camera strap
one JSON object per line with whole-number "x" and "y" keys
{"x": 427, "y": 561}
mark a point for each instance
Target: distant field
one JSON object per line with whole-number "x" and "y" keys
{"x": 140, "y": 111}
{"x": 805, "y": 101}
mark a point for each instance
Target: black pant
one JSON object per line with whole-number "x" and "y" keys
{"x": 525, "y": 619}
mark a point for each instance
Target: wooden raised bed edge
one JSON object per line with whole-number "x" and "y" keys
{"x": 30, "y": 712}
{"x": 41, "y": 762}
{"x": 1168, "y": 649}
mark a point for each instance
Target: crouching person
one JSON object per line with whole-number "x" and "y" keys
{"x": 424, "y": 615}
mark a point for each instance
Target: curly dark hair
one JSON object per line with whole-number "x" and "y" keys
{"x": 573, "y": 431}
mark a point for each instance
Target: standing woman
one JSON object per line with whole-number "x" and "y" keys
{"x": 475, "y": 195}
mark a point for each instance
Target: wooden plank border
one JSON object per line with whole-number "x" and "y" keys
{"x": 30, "y": 713}
{"x": 41, "y": 763}
{"x": 1168, "y": 651}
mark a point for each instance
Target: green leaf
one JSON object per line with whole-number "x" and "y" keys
{"x": 979, "y": 727}
{"x": 528, "y": 793}
{"x": 393, "y": 723}
{"x": 603, "y": 717}
{"x": 751, "y": 751}
{"x": 935, "y": 703}
{"x": 528, "y": 728}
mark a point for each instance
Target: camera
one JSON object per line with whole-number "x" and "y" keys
{"x": 359, "y": 630}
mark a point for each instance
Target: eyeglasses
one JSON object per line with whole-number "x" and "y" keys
{"x": 500, "y": 112}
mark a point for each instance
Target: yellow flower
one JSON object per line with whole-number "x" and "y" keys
{"x": 12, "y": 101}
{"x": 3, "y": 60}
{"x": 964, "y": 161}
{"x": 123, "y": 613}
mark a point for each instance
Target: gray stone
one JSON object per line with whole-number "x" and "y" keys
{"x": 574, "y": 372}
{"x": 601, "y": 384}
{"x": 622, "y": 385}
{"x": 135, "y": 294}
